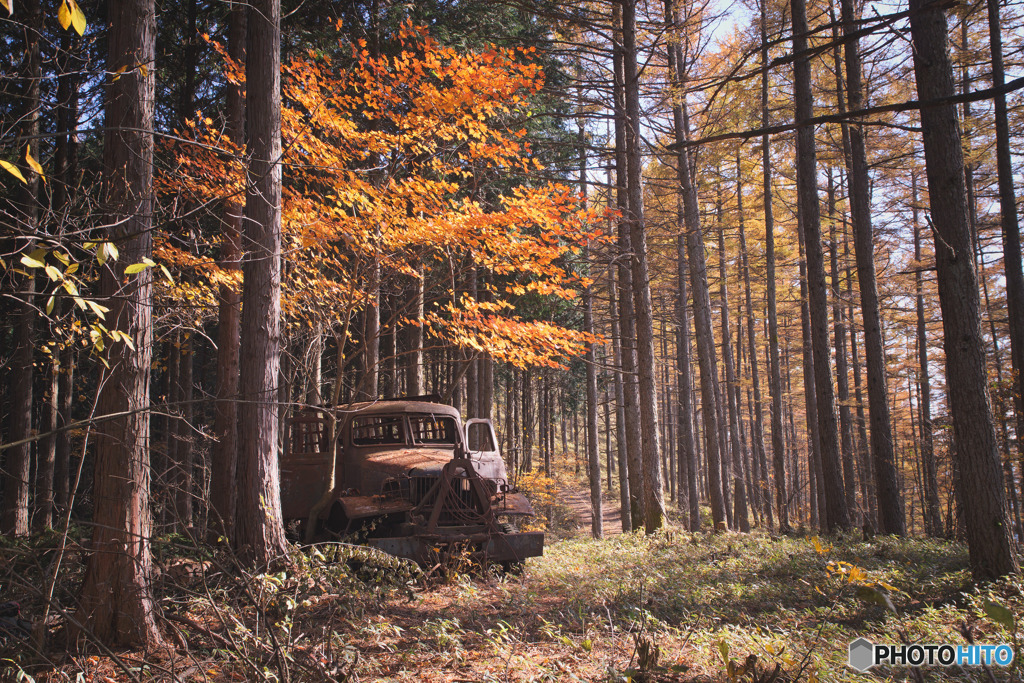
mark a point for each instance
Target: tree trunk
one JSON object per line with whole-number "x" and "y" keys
{"x": 653, "y": 499}
{"x": 890, "y": 501}
{"x": 740, "y": 513}
{"x": 867, "y": 484}
{"x": 706, "y": 355}
{"x": 621, "y": 447}
{"x": 16, "y": 470}
{"x": 225, "y": 420}
{"x": 14, "y": 519}
{"x": 842, "y": 375}
{"x": 932, "y": 514}
{"x": 757, "y": 436}
{"x": 816, "y": 489}
{"x": 685, "y": 439}
{"x": 837, "y": 516}
{"x": 1012, "y": 261}
{"x": 976, "y": 451}
{"x": 183, "y": 463}
{"x": 259, "y": 534}
{"x": 62, "y": 456}
{"x": 116, "y": 604}
{"x": 627, "y": 315}
{"x": 774, "y": 371}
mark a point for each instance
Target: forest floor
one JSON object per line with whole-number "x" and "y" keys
{"x": 672, "y": 606}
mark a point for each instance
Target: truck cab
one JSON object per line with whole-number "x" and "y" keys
{"x": 409, "y": 478}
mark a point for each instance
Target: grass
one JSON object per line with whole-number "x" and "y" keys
{"x": 673, "y": 606}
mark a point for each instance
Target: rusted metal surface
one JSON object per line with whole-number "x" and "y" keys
{"x": 304, "y": 465}
{"x": 360, "y": 507}
{"x": 512, "y": 503}
{"x": 398, "y": 462}
{"x": 404, "y": 469}
{"x": 493, "y": 547}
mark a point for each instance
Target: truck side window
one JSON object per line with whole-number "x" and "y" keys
{"x": 433, "y": 429}
{"x": 374, "y": 430}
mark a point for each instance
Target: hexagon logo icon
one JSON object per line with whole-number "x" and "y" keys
{"x": 861, "y": 654}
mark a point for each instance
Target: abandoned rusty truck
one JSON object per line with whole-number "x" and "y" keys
{"x": 409, "y": 479}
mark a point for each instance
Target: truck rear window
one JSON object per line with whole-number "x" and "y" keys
{"x": 374, "y": 430}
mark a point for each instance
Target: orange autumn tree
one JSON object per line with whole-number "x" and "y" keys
{"x": 389, "y": 165}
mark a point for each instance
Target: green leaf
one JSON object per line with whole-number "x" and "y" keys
{"x": 167, "y": 274}
{"x": 49, "y": 305}
{"x": 999, "y": 614}
{"x": 723, "y": 649}
{"x": 53, "y": 273}
{"x": 30, "y": 262}
{"x": 136, "y": 268}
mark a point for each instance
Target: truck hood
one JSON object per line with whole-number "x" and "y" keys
{"x": 416, "y": 461}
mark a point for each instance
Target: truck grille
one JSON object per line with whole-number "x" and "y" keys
{"x": 461, "y": 506}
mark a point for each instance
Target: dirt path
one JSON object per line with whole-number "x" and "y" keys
{"x": 578, "y": 499}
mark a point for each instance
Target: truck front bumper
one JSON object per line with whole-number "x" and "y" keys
{"x": 498, "y": 547}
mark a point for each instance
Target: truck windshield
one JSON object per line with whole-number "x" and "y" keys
{"x": 433, "y": 429}
{"x": 374, "y": 430}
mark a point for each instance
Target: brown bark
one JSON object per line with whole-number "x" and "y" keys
{"x": 774, "y": 371}
{"x": 117, "y": 605}
{"x": 695, "y": 267}
{"x": 806, "y": 164}
{"x": 62, "y": 456}
{"x": 183, "y": 463}
{"x": 889, "y": 499}
{"x": 653, "y": 498}
{"x": 932, "y": 514}
{"x": 687, "y": 453}
{"x": 816, "y": 489}
{"x": 839, "y": 338}
{"x": 1013, "y": 269}
{"x": 47, "y": 452}
{"x": 17, "y": 461}
{"x": 740, "y": 512}
{"x": 259, "y": 535}
{"x": 225, "y": 422}
{"x": 14, "y": 517}
{"x": 621, "y": 448}
{"x": 976, "y": 452}
{"x": 706, "y": 355}
{"x": 627, "y": 314}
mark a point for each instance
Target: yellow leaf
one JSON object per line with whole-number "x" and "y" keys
{"x": 33, "y": 163}
{"x": 9, "y": 4}
{"x": 11, "y": 168}
{"x": 144, "y": 70}
{"x": 64, "y": 16}
{"x": 77, "y": 17}
{"x": 100, "y": 311}
{"x": 31, "y": 262}
{"x": 135, "y": 268}
{"x": 52, "y": 273}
